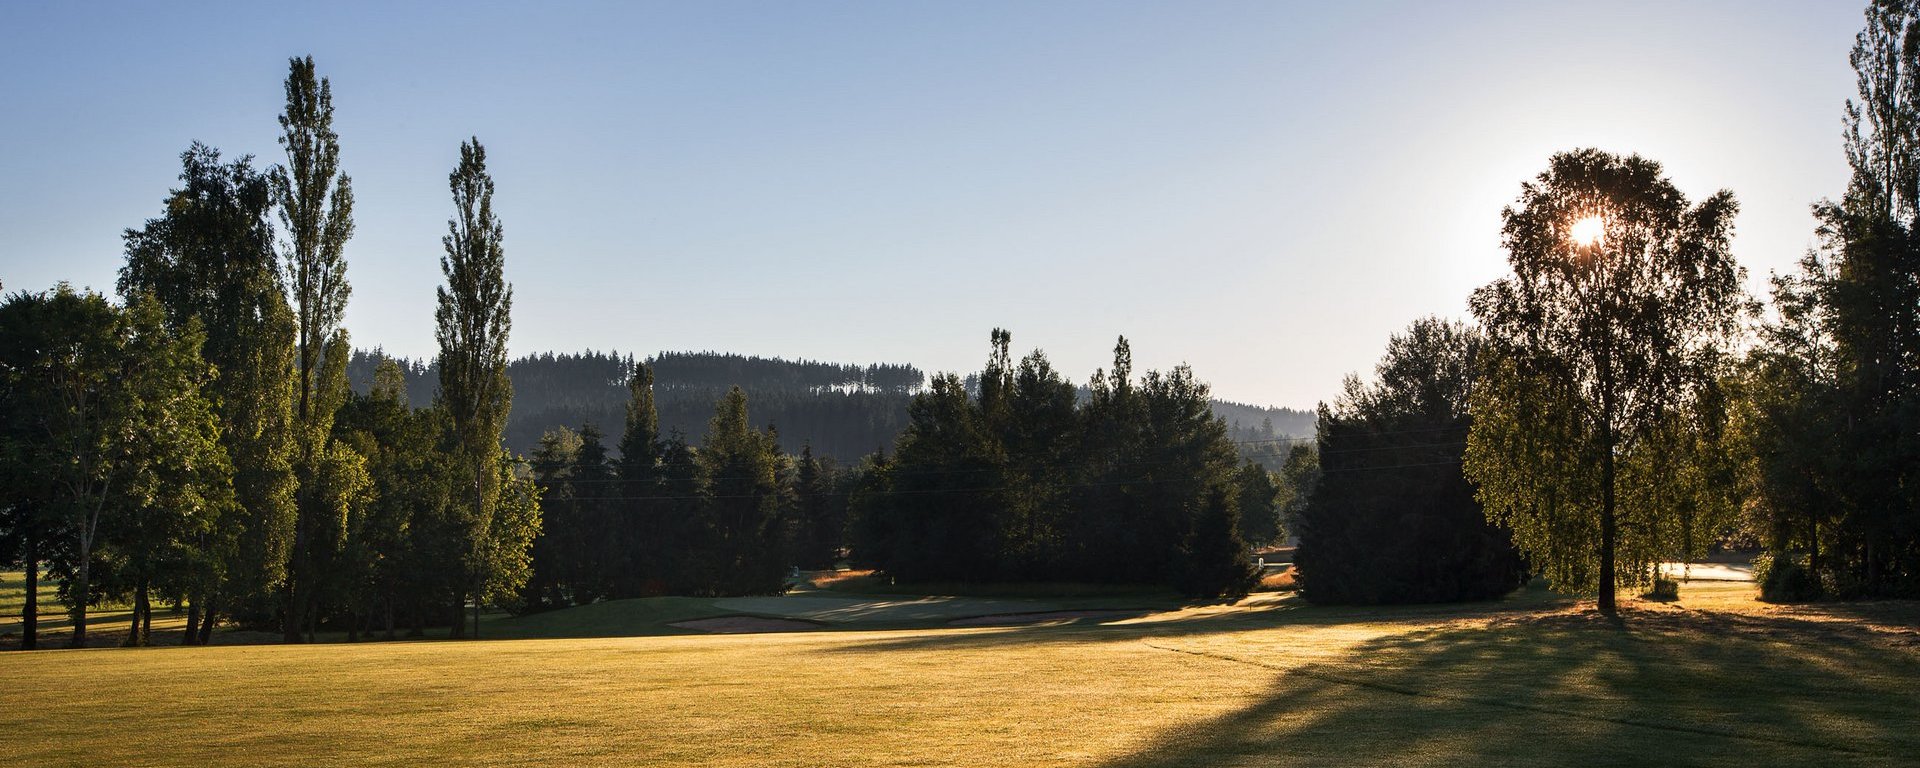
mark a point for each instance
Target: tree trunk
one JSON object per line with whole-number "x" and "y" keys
{"x": 476, "y": 613}
{"x": 30, "y": 615}
{"x": 388, "y": 606}
{"x": 459, "y": 631}
{"x": 1813, "y": 546}
{"x": 290, "y": 623}
{"x": 82, "y": 589}
{"x": 193, "y": 622}
{"x": 146, "y": 614}
{"x": 208, "y": 615}
{"x": 1607, "y": 526}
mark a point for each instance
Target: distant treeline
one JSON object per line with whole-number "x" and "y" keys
{"x": 844, "y": 411}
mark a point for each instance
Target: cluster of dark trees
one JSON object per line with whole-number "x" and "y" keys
{"x": 1392, "y": 518}
{"x": 1604, "y": 418}
{"x": 1022, "y": 481}
{"x": 663, "y": 516}
{"x": 843, "y": 411}
{"x": 197, "y": 444}
{"x": 1827, "y": 407}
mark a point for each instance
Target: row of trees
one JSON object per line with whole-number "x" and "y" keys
{"x": 665, "y": 517}
{"x": 1017, "y": 481}
{"x": 1022, "y": 481}
{"x": 1827, "y": 415}
{"x": 198, "y": 443}
{"x": 1621, "y": 408}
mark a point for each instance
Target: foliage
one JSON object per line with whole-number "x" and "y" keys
{"x": 1021, "y": 483}
{"x": 209, "y": 259}
{"x": 1601, "y": 353}
{"x": 1393, "y": 519}
{"x": 473, "y": 317}
{"x": 1829, "y": 407}
{"x": 315, "y": 201}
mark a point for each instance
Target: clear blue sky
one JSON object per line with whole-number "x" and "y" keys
{"x": 1265, "y": 190}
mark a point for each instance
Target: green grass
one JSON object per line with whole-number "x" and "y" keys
{"x": 106, "y": 623}
{"x": 1713, "y": 679}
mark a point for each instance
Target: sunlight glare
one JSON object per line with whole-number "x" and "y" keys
{"x": 1587, "y": 231}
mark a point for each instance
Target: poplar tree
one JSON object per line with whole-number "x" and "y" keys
{"x": 316, "y": 213}
{"x": 473, "y": 320}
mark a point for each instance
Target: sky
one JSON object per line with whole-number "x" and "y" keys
{"x": 1263, "y": 190}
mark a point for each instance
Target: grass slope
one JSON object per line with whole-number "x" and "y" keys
{"x": 1715, "y": 679}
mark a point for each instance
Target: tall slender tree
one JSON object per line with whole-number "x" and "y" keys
{"x": 473, "y": 321}
{"x": 315, "y": 201}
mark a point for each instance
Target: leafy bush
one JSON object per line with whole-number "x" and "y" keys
{"x": 1664, "y": 589}
{"x": 1785, "y": 579}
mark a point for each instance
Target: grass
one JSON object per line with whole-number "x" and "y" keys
{"x": 864, "y": 582}
{"x": 106, "y": 623}
{"x": 1713, "y": 678}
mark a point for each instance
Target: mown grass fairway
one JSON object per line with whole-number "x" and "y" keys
{"x": 1716, "y": 678}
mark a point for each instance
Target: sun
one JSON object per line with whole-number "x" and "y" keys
{"x": 1587, "y": 231}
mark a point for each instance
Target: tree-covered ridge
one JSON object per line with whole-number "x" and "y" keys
{"x": 843, "y": 410}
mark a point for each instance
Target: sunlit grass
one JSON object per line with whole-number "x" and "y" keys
{"x": 1715, "y": 678}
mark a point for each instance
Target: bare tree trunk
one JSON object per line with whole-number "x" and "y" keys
{"x": 388, "y": 605}
{"x": 30, "y": 615}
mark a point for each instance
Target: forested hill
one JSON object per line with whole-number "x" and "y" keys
{"x": 845, "y": 411}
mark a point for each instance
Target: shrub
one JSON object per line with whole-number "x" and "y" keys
{"x": 1664, "y": 589}
{"x": 1784, "y": 579}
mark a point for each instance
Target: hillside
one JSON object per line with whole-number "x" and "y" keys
{"x": 845, "y": 411}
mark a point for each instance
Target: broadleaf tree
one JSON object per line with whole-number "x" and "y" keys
{"x": 1601, "y": 343}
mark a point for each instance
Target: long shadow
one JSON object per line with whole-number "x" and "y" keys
{"x": 1661, "y": 687}
{"x": 1290, "y": 611}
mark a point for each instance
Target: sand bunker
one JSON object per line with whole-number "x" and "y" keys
{"x": 1007, "y": 619}
{"x": 734, "y": 625}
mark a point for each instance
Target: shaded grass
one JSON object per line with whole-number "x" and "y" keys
{"x": 614, "y": 618}
{"x": 867, "y": 583}
{"x": 107, "y": 622}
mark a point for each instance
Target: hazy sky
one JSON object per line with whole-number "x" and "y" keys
{"x": 1265, "y": 190}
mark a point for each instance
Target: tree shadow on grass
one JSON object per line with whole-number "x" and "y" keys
{"x": 1210, "y": 620}
{"x": 1572, "y": 688}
